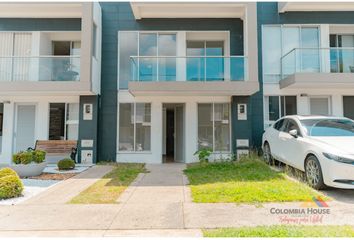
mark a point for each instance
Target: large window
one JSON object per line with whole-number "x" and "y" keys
{"x": 134, "y": 127}
{"x": 63, "y": 121}
{"x": 214, "y": 126}
{"x": 276, "y": 107}
{"x": 1, "y": 123}
{"x": 153, "y": 57}
{"x": 280, "y": 40}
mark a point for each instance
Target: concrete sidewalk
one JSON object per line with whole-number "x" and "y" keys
{"x": 158, "y": 202}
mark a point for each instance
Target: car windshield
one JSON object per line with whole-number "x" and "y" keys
{"x": 328, "y": 127}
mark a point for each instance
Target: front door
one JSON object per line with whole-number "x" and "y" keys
{"x": 25, "y": 127}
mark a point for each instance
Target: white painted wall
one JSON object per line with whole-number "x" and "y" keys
{"x": 191, "y": 125}
{"x": 42, "y": 119}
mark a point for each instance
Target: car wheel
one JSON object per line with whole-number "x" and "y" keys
{"x": 267, "y": 154}
{"x": 313, "y": 173}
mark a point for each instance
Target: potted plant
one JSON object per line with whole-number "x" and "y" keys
{"x": 29, "y": 163}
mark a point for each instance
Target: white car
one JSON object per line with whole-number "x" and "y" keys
{"x": 322, "y": 147}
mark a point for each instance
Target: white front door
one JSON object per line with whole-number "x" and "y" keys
{"x": 25, "y": 126}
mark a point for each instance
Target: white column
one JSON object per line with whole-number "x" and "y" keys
{"x": 337, "y": 105}
{"x": 181, "y": 64}
{"x": 42, "y": 121}
{"x": 156, "y": 131}
{"x": 191, "y": 131}
{"x": 8, "y": 133}
{"x": 250, "y": 41}
{"x": 303, "y": 105}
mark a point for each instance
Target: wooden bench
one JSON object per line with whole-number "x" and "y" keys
{"x": 58, "y": 147}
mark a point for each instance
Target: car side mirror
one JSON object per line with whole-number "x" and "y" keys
{"x": 293, "y": 133}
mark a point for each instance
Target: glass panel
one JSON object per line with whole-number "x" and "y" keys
{"x": 143, "y": 127}
{"x": 195, "y": 65}
{"x": 128, "y": 46}
{"x": 271, "y": 53}
{"x": 57, "y": 121}
{"x": 195, "y": 48}
{"x": 148, "y": 44}
{"x": 319, "y": 106}
{"x": 273, "y": 108}
{"x": 348, "y": 106}
{"x": 237, "y": 68}
{"x": 147, "y": 69}
{"x": 290, "y": 105}
{"x": 310, "y": 61}
{"x": 222, "y": 127}
{"x": 167, "y": 66}
{"x": 205, "y": 126}
{"x": 167, "y": 44}
{"x": 167, "y": 69}
{"x": 196, "y": 69}
{"x": 126, "y": 127}
{"x": 1, "y": 123}
{"x": 347, "y": 55}
{"x": 214, "y": 66}
{"x": 72, "y": 121}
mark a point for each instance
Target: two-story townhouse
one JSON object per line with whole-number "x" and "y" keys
{"x": 307, "y": 53}
{"x": 177, "y": 78}
{"x": 50, "y": 60}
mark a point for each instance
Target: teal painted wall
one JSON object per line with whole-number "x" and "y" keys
{"x": 40, "y": 24}
{"x": 117, "y": 17}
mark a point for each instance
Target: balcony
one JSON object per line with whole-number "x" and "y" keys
{"x": 39, "y": 69}
{"x": 314, "y": 67}
{"x": 192, "y": 75}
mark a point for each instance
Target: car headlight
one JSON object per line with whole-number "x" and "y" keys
{"x": 338, "y": 158}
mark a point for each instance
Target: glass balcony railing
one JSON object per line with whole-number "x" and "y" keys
{"x": 164, "y": 69}
{"x": 321, "y": 60}
{"x": 43, "y": 68}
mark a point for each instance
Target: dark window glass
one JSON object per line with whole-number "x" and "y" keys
{"x": 348, "y": 106}
{"x": 278, "y": 125}
{"x": 292, "y": 125}
{"x": 273, "y": 108}
{"x": 288, "y": 105}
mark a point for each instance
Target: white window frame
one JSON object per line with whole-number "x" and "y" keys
{"x": 300, "y": 26}
{"x": 329, "y": 100}
{"x": 213, "y": 121}
{"x": 268, "y": 122}
{"x": 134, "y": 127}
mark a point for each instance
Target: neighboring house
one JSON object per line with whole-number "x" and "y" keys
{"x": 49, "y": 70}
{"x": 307, "y": 52}
{"x": 176, "y": 77}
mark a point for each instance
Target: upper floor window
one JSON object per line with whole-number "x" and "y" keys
{"x": 280, "y": 41}
{"x": 204, "y": 62}
{"x": 153, "y": 56}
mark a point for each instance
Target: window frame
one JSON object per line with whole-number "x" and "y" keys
{"x": 213, "y": 125}
{"x": 66, "y": 121}
{"x": 134, "y": 128}
{"x": 281, "y": 108}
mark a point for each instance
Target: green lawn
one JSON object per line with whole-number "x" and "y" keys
{"x": 108, "y": 189}
{"x": 246, "y": 181}
{"x": 282, "y": 231}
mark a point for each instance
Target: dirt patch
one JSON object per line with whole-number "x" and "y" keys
{"x": 54, "y": 176}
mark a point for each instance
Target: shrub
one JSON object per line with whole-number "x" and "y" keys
{"x": 26, "y": 157}
{"x": 7, "y": 172}
{"x": 10, "y": 186}
{"x": 38, "y": 156}
{"x": 66, "y": 164}
{"x": 203, "y": 154}
{"x": 23, "y": 157}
